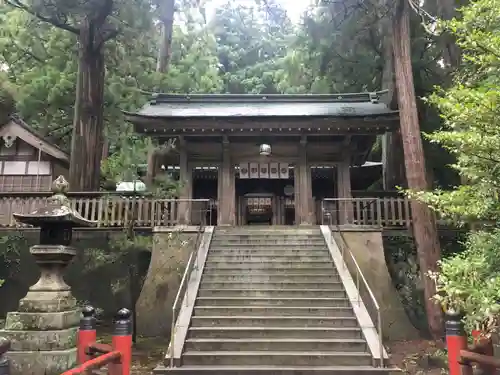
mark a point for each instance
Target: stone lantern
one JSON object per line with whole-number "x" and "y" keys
{"x": 43, "y": 330}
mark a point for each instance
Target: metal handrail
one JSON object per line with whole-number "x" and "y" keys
{"x": 361, "y": 277}
{"x": 187, "y": 271}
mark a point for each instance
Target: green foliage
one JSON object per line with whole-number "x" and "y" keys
{"x": 251, "y": 40}
{"x": 42, "y": 67}
{"x": 7, "y": 103}
{"x": 471, "y": 281}
{"x": 336, "y": 50}
{"x": 470, "y": 111}
{"x": 130, "y": 155}
{"x": 402, "y": 263}
{"x": 10, "y": 247}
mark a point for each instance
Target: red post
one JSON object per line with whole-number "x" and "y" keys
{"x": 122, "y": 342}
{"x": 86, "y": 334}
{"x": 456, "y": 340}
{"x": 486, "y": 345}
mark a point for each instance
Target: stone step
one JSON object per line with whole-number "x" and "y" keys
{"x": 271, "y": 277}
{"x": 272, "y": 321}
{"x": 274, "y": 370}
{"x": 245, "y": 344}
{"x": 270, "y": 250}
{"x": 272, "y": 285}
{"x": 271, "y": 237}
{"x": 268, "y": 241}
{"x": 268, "y": 358}
{"x": 267, "y": 258}
{"x": 266, "y": 269}
{"x": 264, "y": 235}
{"x": 275, "y": 332}
{"x": 278, "y": 311}
{"x": 268, "y": 292}
{"x": 264, "y": 246}
{"x": 269, "y": 231}
{"x": 249, "y": 264}
{"x": 273, "y": 301}
{"x": 267, "y": 252}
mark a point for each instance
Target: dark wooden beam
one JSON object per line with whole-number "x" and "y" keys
{"x": 264, "y": 133}
{"x": 308, "y": 125}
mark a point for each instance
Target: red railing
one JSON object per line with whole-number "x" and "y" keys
{"x": 93, "y": 356}
{"x": 461, "y": 356}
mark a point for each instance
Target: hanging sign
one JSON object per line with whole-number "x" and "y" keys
{"x": 244, "y": 171}
{"x": 274, "y": 170}
{"x": 284, "y": 173}
{"x": 254, "y": 170}
{"x": 264, "y": 170}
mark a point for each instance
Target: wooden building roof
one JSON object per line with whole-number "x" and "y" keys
{"x": 173, "y": 114}
{"x": 16, "y": 127}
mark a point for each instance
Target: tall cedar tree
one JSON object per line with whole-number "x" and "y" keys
{"x": 89, "y": 23}
{"x": 166, "y": 11}
{"x": 424, "y": 225}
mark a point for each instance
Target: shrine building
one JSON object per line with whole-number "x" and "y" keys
{"x": 264, "y": 158}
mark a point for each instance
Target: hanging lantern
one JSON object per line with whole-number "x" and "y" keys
{"x": 265, "y": 149}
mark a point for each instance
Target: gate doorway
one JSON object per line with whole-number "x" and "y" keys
{"x": 265, "y": 202}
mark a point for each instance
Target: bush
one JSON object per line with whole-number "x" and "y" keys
{"x": 470, "y": 281}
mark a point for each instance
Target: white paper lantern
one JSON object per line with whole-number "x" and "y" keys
{"x": 265, "y": 149}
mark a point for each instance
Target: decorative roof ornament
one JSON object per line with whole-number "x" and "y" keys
{"x": 8, "y": 140}
{"x": 374, "y": 97}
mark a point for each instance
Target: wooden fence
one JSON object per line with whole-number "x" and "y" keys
{"x": 385, "y": 212}
{"x": 113, "y": 210}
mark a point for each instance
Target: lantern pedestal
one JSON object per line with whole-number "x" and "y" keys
{"x": 43, "y": 331}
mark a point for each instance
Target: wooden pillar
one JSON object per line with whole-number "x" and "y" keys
{"x": 344, "y": 190}
{"x": 154, "y": 164}
{"x": 385, "y": 159}
{"x": 310, "y": 198}
{"x": 226, "y": 186}
{"x": 296, "y": 193}
{"x": 304, "y": 186}
{"x": 185, "y": 179}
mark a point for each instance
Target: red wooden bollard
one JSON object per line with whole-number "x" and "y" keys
{"x": 86, "y": 334}
{"x": 456, "y": 340}
{"x": 122, "y": 342}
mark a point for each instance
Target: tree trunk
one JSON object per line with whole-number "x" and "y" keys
{"x": 88, "y": 124}
{"x": 424, "y": 226}
{"x": 393, "y": 161}
{"x": 167, "y": 9}
{"x": 392, "y": 147}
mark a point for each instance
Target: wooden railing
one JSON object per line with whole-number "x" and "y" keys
{"x": 488, "y": 363}
{"x": 115, "y": 210}
{"x": 112, "y": 210}
{"x": 385, "y": 212}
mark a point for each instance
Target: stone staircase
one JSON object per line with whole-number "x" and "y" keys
{"x": 271, "y": 301}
